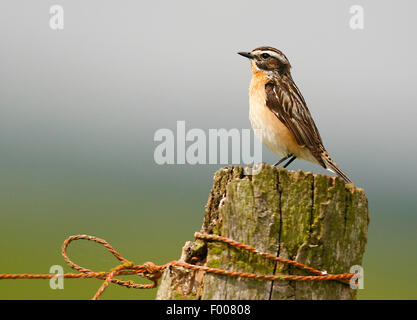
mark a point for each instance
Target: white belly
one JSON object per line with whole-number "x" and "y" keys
{"x": 268, "y": 128}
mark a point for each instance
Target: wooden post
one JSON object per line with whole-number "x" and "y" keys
{"x": 316, "y": 220}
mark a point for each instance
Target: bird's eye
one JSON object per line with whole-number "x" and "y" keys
{"x": 265, "y": 55}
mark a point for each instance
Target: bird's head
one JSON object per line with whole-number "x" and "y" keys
{"x": 267, "y": 60}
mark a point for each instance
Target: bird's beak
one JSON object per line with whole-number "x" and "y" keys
{"x": 246, "y": 55}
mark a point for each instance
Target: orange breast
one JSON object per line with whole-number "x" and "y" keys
{"x": 273, "y": 133}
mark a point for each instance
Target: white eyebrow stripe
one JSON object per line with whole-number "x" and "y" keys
{"x": 273, "y": 54}
{"x": 276, "y": 55}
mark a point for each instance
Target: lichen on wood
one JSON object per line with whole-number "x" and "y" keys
{"x": 314, "y": 219}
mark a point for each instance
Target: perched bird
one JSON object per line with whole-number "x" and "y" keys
{"x": 279, "y": 114}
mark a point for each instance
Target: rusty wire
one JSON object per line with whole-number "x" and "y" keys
{"x": 153, "y": 272}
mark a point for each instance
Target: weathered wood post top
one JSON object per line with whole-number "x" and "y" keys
{"x": 313, "y": 219}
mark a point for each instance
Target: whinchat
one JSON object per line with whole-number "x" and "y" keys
{"x": 279, "y": 114}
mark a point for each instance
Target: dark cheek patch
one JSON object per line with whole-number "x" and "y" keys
{"x": 261, "y": 65}
{"x": 273, "y": 64}
{"x": 270, "y": 64}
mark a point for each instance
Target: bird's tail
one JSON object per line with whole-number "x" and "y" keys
{"x": 332, "y": 166}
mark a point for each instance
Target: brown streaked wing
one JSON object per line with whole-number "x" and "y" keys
{"x": 284, "y": 99}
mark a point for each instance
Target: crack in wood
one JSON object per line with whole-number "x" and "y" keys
{"x": 279, "y": 234}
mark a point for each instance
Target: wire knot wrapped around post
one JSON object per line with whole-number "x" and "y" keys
{"x": 153, "y": 272}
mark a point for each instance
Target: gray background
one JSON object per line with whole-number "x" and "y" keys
{"x": 79, "y": 108}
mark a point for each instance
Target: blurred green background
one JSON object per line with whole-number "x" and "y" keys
{"x": 79, "y": 109}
